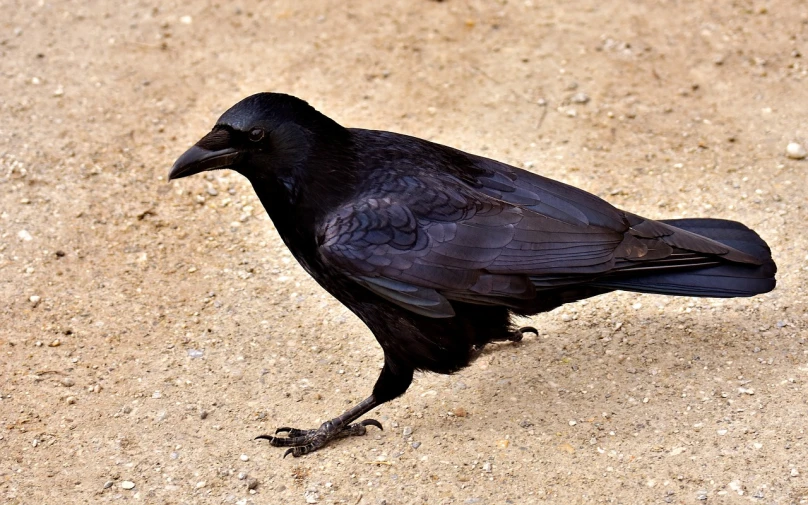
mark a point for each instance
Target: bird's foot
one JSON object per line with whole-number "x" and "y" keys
{"x": 302, "y": 442}
{"x": 516, "y": 335}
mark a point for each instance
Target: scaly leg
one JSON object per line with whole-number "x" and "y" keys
{"x": 389, "y": 385}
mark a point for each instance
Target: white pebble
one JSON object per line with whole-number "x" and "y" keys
{"x": 722, "y": 432}
{"x": 186, "y": 20}
{"x": 24, "y": 235}
{"x": 34, "y": 299}
{"x": 573, "y": 423}
{"x": 244, "y": 457}
{"x": 736, "y": 486}
{"x": 795, "y": 472}
{"x": 579, "y": 98}
{"x": 795, "y": 151}
{"x": 128, "y": 484}
{"x": 201, "y": 484}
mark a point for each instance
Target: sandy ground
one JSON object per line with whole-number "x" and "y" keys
{"x": 151, "y": 330}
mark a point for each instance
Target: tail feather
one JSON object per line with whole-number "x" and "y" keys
{"x": 724, "y": 280}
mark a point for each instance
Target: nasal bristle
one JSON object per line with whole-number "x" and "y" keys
{"x": 217, "y": 139}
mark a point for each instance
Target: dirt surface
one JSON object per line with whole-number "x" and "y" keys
{"x": 151, "y": 330}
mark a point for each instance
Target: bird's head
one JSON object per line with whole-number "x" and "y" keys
{"x": 267, "y": 135}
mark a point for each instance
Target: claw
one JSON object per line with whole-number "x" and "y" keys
{"x": 264, "y": 437}
{"x": 529, "y": 329}
{"x": 372, "y": 422}
{"x": 283, "y": 429}
{"x": 288, "y": 452}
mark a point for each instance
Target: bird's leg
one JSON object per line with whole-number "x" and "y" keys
{"x": 300, "y": 442}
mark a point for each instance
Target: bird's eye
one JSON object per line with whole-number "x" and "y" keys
{"x": 256, "y": 134}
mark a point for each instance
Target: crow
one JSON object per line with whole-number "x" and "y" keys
{"x": 435, "y": 249}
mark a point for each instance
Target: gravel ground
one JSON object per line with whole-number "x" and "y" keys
{"x": 151, "y": 330}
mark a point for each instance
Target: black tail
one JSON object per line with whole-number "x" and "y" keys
{"x": 725, "y": 280}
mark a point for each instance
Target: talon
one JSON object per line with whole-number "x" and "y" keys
{"x": 264, "y": 437}
{"x": 529, "y": 329}
{"x": 290, "y": 451}
{"x": 283, "y": 429}
{"x": 372, "y": 422}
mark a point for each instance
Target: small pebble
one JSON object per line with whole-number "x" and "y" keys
{"x": 242, "y": 475}
{"x": 460, "y": 412}
{"x": 67, "y": 382}
{"x": 701, "y": 495}
{"x": 416, "y": 445}
{"x": 34, "y": 299}
{"x": 747, "y": 391}
{"x": 244, "y": 457}
{"x": 795, "y": 151}
{"x": 503, "y": 444}
{"x": 406, "y": 432}
{"x": 203, "y": 414}
{"x": 572, "y": 423}
{"x": 108, "y": 484}
{"x": 70, "y": 400}
{"x": 252, "y": 483}
{"x": 212, "y": 191}
{"x": 128, "y": 484}
{"x": 55, "y": 343}
{"x": 736, "y": 486}
{"x": 311, "y": 496}
{"x": 487, "y": 467}
{"x": 186, "y": 20}
{"x": 580, "y": 98}
{"x": 24, "y": 235}
{"x": 201, "y": 484}
{"x": 795, "y": 472}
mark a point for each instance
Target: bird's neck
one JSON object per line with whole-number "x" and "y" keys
{"x": 299, "y": 204}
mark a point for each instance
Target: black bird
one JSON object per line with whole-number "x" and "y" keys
{"x": 434, "y": 249}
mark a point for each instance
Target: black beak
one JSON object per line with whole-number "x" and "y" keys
{"x": 212, "y": 152}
